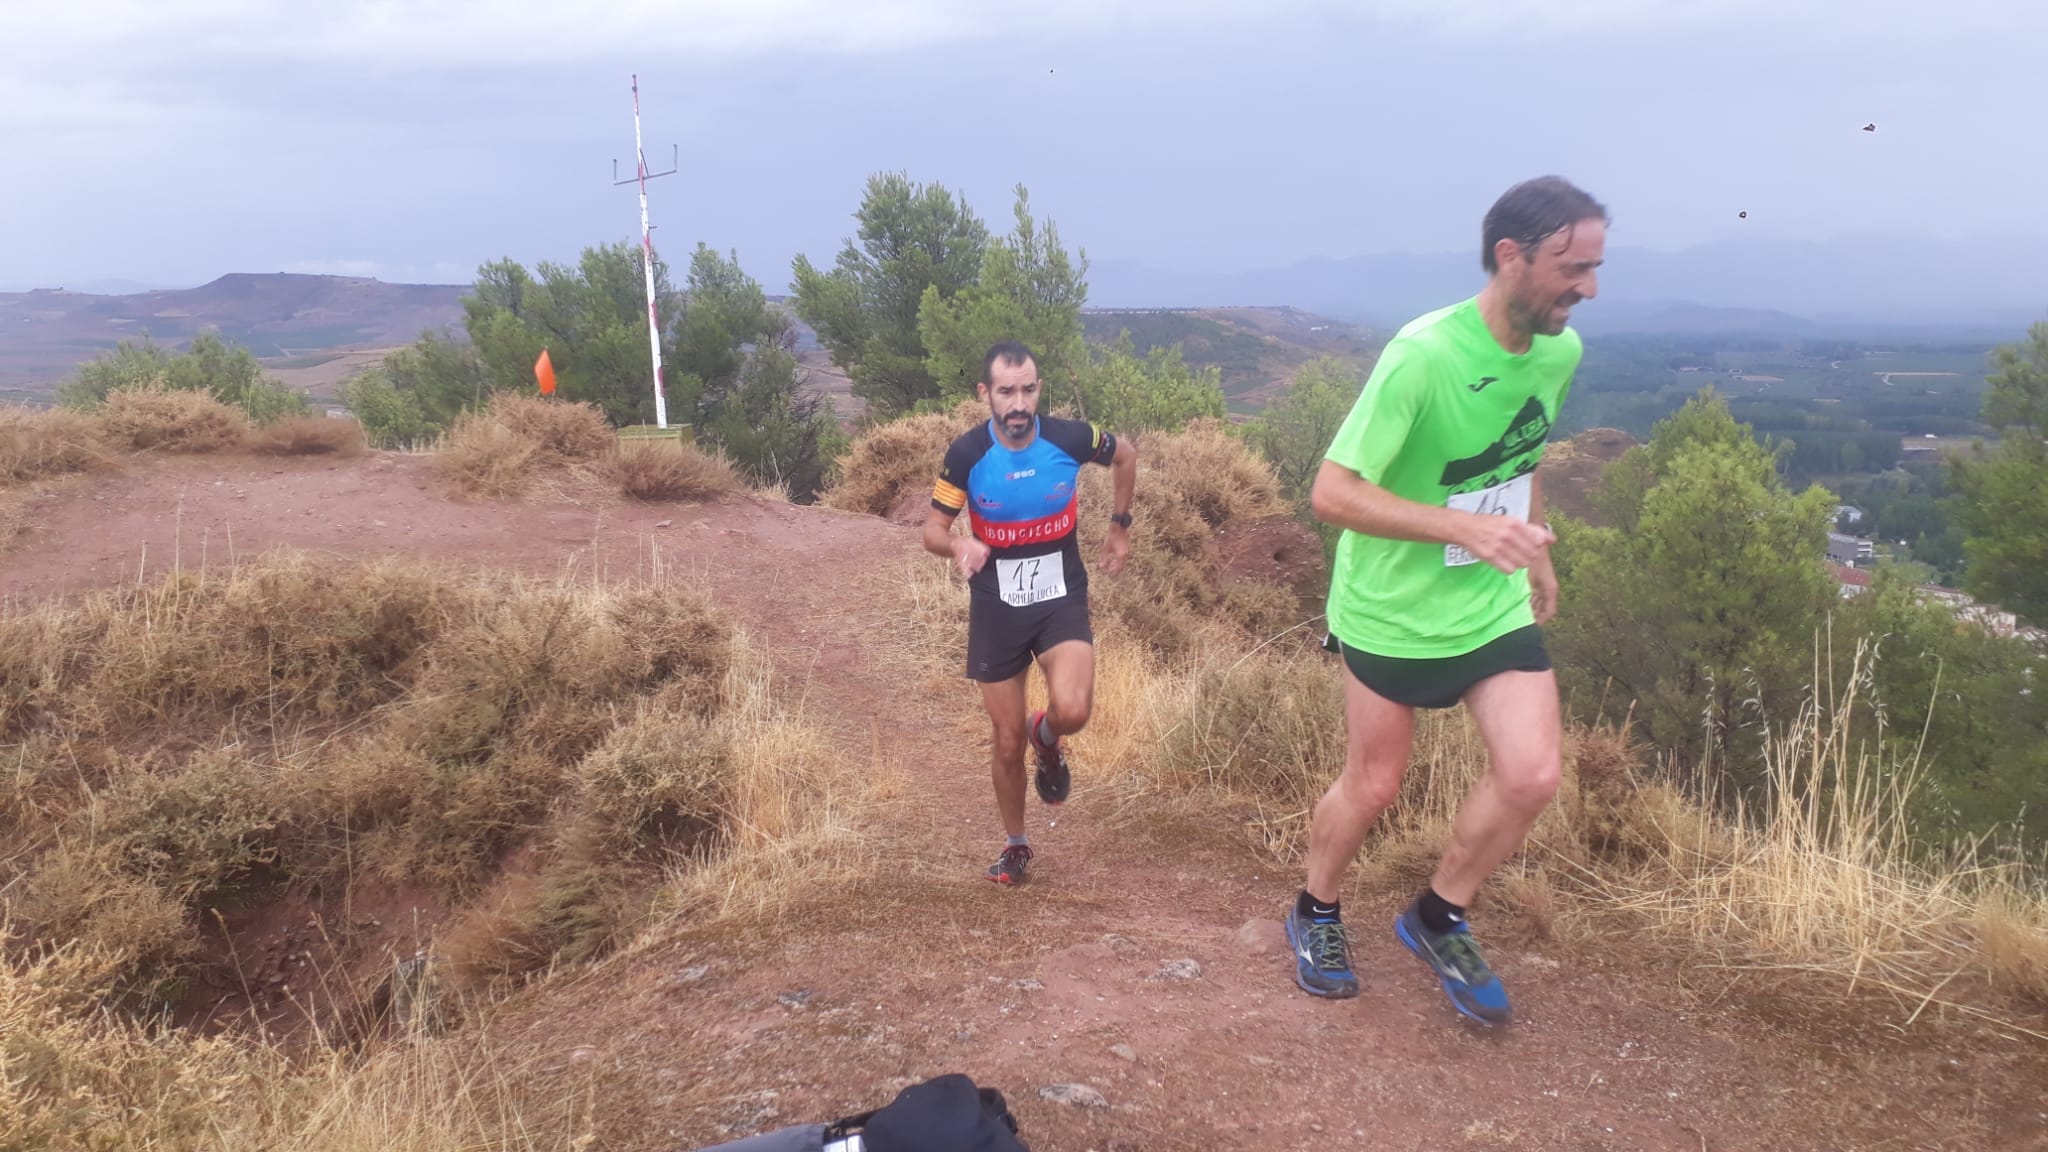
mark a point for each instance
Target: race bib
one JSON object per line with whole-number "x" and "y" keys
{"x": 1509, "y": 499}
{"x": 1032, "y": 580}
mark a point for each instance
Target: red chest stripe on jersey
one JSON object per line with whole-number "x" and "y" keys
{"x": 1001, "y": 534}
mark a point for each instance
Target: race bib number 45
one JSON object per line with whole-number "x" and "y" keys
{"x": 1032, "y": 580}
{"x": 1509, "y": 499}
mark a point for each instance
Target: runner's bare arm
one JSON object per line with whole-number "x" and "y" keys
{"x": 966, "y": 553}
{"x": 1123, "y": 474}
{"x": 938, "y": 532}
{"x": 1542, "y": 576}
{"x": 1346, "y": 499}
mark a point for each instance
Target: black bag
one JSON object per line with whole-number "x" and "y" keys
{"x": 944, "y": 1114}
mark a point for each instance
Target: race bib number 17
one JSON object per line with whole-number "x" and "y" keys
{"x": 1032, "y": 580}
{"x": 1509, "y": 499}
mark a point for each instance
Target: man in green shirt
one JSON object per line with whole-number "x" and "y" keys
{"x": 1443, "y": 579}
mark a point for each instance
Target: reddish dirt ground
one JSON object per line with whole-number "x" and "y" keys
{"x": 923, "y": 968}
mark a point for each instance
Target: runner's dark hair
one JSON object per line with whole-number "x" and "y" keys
{"x": 1009, "y": 352}
{"x": 1533, "y": 210}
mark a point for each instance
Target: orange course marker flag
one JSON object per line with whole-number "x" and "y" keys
{"x": 544, "y": 371}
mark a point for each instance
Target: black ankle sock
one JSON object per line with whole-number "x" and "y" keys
{"x": 1438, "y": 914}
{"x": 1314, "y": 909}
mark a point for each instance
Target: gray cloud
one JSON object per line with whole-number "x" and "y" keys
{"x": 175, "y": 141}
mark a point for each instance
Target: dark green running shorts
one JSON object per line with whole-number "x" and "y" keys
{"x": 1442, "y": 682}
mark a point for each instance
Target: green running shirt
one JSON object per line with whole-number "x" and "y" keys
{"x": 1448, "y": 417}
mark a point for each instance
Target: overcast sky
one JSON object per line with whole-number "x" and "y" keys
{"x": 169, "y": 141}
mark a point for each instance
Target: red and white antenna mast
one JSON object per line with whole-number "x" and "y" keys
{"x": 647, "y": 255}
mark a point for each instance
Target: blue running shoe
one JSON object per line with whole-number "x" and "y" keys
{"x": 1322, "y": 959}
{"x": 1454, "y": 957}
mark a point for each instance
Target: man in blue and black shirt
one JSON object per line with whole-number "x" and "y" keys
{"x": 1018, "y": 476}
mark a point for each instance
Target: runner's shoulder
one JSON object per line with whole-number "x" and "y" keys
{"x": 1079, "y": 439}
{"x": 969, "y": 447}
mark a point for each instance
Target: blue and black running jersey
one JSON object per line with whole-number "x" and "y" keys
{"x": 1023, "y": 505}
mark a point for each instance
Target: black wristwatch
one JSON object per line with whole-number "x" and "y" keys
{"x": 1120, "y": 519}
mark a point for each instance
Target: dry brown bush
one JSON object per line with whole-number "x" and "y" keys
{"x": 893, "y": 461}
{"x": 659, "y": 470}
{"x": 36, "y": 443}
{"x": 157, "y": 418}
{"x": 308, "y": 436}
{"x": 563, "y": 430}
{"x": 1190, "y": 485}
{"x": 220, "y": 737}
{"x": 495, "y": 453}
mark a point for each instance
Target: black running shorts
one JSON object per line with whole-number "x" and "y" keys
{"x": 1442, "y": 682}
{"x": 1001, "y": 640}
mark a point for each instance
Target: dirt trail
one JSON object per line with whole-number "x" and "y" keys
{"x": 926, "y": 968}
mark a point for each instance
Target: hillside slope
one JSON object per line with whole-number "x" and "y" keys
{"x": 916, "y": 966}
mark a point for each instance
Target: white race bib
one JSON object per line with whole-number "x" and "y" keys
{"x": 1509, "y": 499}
{"x": 1032, "y": 580}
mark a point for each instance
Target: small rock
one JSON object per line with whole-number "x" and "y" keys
{"x": 1124, "y": 1052}
{"x": 663, "y": 523}
{"x": 798, "y": 998}
{"x": 1117, "y": 943}
{"x": 1178, "y": 970}
{"x": 1078, "y": 1095}
{"x": 582, "y": 1055}
{"x": 1027, "y": 985}
{"x": 1261, "y": 938}
{"x": 1261, "y": 1061}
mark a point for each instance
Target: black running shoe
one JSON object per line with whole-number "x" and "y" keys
{"x": 1052, "y": 778}
{"x": 1009, "y": 867}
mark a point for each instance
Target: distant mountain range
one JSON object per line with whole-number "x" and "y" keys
{"x": 1837, "y": 287}
{"x": 1885, "y": 288}
{"x": 45, "y": 333}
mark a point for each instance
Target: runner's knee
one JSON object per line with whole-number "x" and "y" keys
{"x": 1527, "y": 784}
{"x": 1070, "y": 712}
{"x": 1368, "y": 789}
{"x": 1009, "y": 742}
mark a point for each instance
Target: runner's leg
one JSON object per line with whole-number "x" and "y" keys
{"x": 1518, "y": 717}
{"x": 1004, "y": 700}
{"x": 1069, "y": 686}
{"x": 1377, "y": 735}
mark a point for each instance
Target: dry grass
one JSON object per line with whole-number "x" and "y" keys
{"x": 496, "y": 452}
{"x": 659, "y": 470}
{"x": 893, "y": 461}
{"x": 162, "y": 419}
{"x": 240, "y": 736}
{"x": 1191, "y": 484}
{"x": 522, "y": 446}
{"x": 78, "y": 1079}
{"x": 234, "y": 737}
{"x": 1822, "y": 883}
{"x": 308, "y": 436}
{"x": 38, "y": 443}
